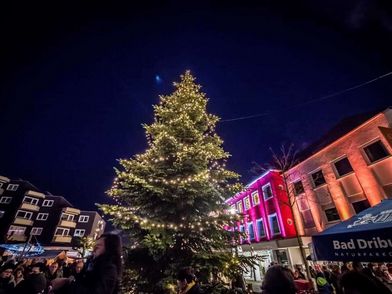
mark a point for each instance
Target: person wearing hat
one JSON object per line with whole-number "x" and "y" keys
{"x": 6, "y": 279}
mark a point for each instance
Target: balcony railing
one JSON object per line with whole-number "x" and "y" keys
{"x": 28, "y": 206}
{"x": 20, "y": 238}
{"x": 23, "y": 221}
{"x": 62, "y": 239}
{"x": 67, "y": 224}
{"x": 35, "y": 194}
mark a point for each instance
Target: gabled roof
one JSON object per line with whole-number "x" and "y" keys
{"x": 339, "y": 130}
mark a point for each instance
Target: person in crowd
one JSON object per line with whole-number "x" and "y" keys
{"x": 19, "y": 277}
{"x": 326, "y": 273}
{"x": 357, "y": 266}
{"x": 335, "y": 276}
{"x": 297, "y": 275}
{"x": 35, "y": 281}
{"x": 323, "y": 287}
{"x": 355, "y": 282}
{"x": 186, "y": 282}
{"x": 301, "y": 274}
{"x": 53, "y": 271}
{"x": 103, "y": 270}
{"x": 77, "y": 270}
{"x": 6, "y": 279}
{"x": 277, "y": 280}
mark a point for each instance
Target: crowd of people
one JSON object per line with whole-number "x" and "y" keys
{"x": 348, "y": 278}
{"x": 100, "y": 274}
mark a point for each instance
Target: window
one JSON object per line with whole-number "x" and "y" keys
{"x": 30, "y": 200}
{"x": 83, "y": 218}
{"x": 375, "y": 151}
{"x": 255, "y": 198}
{"x": 5, "y": 200}
{"x": 42, "y": 216}
{"x": 307, "y": 217}
{"x": 298, "y": 188}
{"x": 318, "y": 178}
{"x": 274, "y": 224}
{"x": 48, "y": 203}
{"x": 332, "y": 214}
{"x": 36, "y": 231}
{"x": 251, "y": 231}
{"x": 16, "y": 231}
{"x": 343, "y": 167}
{"x": 267, "y": 191}
{"x": 24, "y": 214}
{"x": 260, "y": 228}
{"x": 360, "y": 205}
{"x": 239, "y": 207}
{"x": 2, "y": 212}
{"x": 62, "y": 232}
{"x": 79, "y": 232}
{"x": 247, "y": 202}
{"x": 67, "y": 217}
{"x": 12, "y": 187}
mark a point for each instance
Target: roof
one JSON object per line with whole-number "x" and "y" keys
{"x": 339, "y": 130}
{"x": 60, "y": 199}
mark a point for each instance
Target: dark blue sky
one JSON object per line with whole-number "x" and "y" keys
{"x": 77, "y": 81}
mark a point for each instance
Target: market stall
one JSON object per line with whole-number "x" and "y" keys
{"x": 366, "y": 236}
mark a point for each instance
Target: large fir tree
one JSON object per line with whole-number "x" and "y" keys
{"x": 171, "y": 197}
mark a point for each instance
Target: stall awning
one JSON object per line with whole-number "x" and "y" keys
{"x": 366, "y": 236}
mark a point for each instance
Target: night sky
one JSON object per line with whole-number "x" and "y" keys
{"x": 77, "y": 81}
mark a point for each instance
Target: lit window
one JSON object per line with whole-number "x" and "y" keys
{"x": 24, "y": 214}
{"x": 12, "y": 187}
{"x": 298, "y": 188}
{"x": 62, "y": 232}
{"x": 239, "y": 207}
{"x": 30, "y": 200}
{"x": 318, "y": 178}
{"x": 260, "y": 228}
{"x": 267, "y": 191}
{"x": 36, "y": 231}
{"x": 83, "y": 218}
{"x": 247, "y": 202}
{"x": 375, "y": 151}
{"x": 343, "y": 167}
{"x": 79, "y": 232}
{"x": 2, "y": 212}
{"x": 5, "y": 200}
{"x": 67, "y": 217}
{"x": 255, "y": 198}
{"x": 48, "y": 203}
{"x": 251, "y": 231}
{"x": 360, "y": 205}
{"x": 274, "y": 224}
{"x": 16, "y": 231}
{"x": 42, "y": 216}
{"x": 332, "y": 214}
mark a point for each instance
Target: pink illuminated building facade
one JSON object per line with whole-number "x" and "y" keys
{"x": 267, "y": 222}
{"x": 267, "y": 215}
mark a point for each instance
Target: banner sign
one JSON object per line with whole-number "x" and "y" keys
{"x": 365, "y": 237}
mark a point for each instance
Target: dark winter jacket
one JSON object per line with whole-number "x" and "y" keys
{"x": 35, "y": 283}
{"x": 101, "y": 277}
{"x": 6, "y": 286}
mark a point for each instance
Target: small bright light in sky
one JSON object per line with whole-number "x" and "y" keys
{"x": 158, "y": 79}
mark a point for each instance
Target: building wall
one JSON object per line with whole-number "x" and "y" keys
{"x": 368, "y": 182}
{"x": 95, "y": 225}
{"x": 260, "y": 206}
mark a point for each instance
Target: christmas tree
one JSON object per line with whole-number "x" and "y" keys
{"x": 171, "y": 197}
